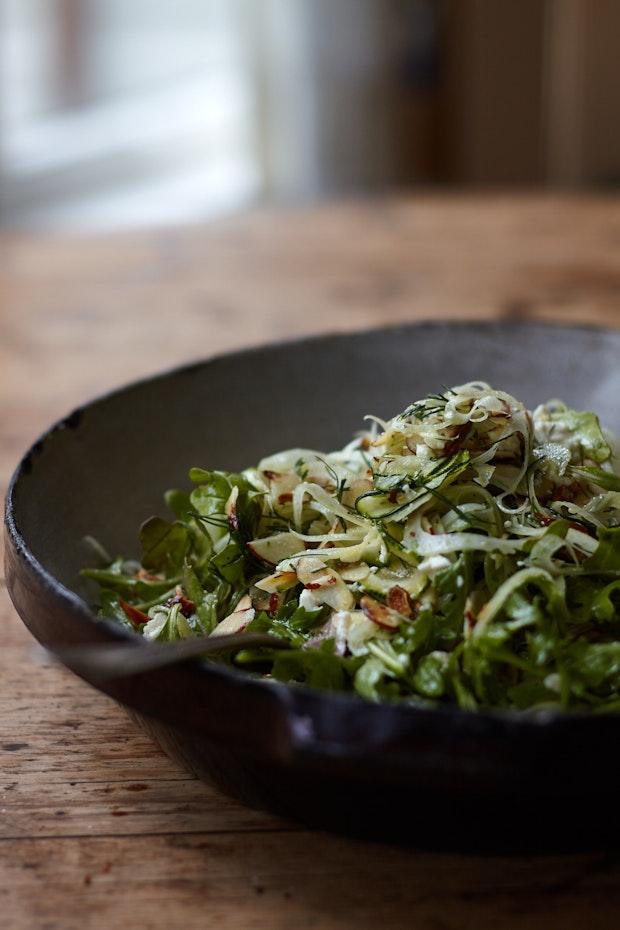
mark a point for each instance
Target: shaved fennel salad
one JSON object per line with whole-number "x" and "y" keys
{"x": 466, "y": 551}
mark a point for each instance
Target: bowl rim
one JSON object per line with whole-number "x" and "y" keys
{"x": 286, "y": 692}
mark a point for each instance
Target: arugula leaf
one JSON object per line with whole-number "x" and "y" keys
{"x": 595, "y": 666}
{"x": 318, "y": 668}
{"x": 230, "y": 562}
{"x": 291, "y": 622}
{"x": 374, "y": 681}
{"x": 604, "y": 608}
{"x": 368, "y": 677}
{"x": 581, "y": 592}
{"x": 430, "y": 676}
{"x": 163, "y": 544}
{"x": 179, "y": 503}
{"x": 417, "y": 636}
{"x": 453, "y": 586}
{"x": 210, "y": 606}
{"x": 128, "y": 585}
{"x": 528, "y": 694}
{"x": 229, "y": 532}
{"x": 459, "y": 682}
{"x": 586, "y": 431}
{"x": 209, "y": 502}
{"x": 602, "y": 479}
{"x": 109, "y": 606}
{"x": 606, "y": 557}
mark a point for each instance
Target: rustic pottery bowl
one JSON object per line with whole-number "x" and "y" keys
{"x": 443, "y": 778}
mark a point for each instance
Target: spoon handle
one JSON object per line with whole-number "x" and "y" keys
{"x": 105, "y": 661}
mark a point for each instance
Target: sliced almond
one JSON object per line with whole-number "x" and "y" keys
{"x": 309, "y": 568}
{"x": 234, "y": 623}
{"x": 238, "y": 620}
{"x": 383, "y": 616}
{"x": 398, "y": 600}
{"x": 230, "y": 509}
{"x": 325, "y": 585}
{"x": 279, "y": 581}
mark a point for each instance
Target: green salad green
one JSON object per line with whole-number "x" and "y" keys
{"x": 465, "y": 551}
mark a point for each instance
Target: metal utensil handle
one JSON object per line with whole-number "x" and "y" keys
{"x": 119, "y": 660}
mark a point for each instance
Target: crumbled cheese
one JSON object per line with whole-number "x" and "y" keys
{"x": 434, "y": 564}
{"x": 353, "y": 628}
{"x": 553, "y": 682}
{"x": 307, "y": 600}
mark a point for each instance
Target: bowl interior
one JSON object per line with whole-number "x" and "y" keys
{"x": 105, "y": 469}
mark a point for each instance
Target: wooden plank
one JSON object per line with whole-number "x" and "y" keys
{"x": 73, "y": 763}
{"x": 144, "y": 805}
{"x": 289, "y": 882}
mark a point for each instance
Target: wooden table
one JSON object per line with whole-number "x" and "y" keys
{"x": 97, "y": 827}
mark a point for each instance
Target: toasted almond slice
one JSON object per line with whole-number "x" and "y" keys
{"x": 279, "y": 581}
{"x": 234, "y": 623}
{"x": 383, "y": 616}
{"x": 309, "y": 568}
{"x": 230, "y": 509}
{"x": 237, "y": 621}
{"x": 398, "y": 600}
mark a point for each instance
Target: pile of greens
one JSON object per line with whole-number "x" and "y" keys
{"x": 466, "y": 551}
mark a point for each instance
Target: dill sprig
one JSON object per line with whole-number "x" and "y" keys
{"x": 212, "y": 520}
{"x": 443, "y": 499}
{"x": 431, "y": 405}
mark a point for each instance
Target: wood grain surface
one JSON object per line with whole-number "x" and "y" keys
{"x": 97, "y": 827}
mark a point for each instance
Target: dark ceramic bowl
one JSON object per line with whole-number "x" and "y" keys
{"x": 445, "y": 777}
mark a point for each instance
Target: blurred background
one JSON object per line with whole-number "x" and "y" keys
{"x": 126, "y": 113}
